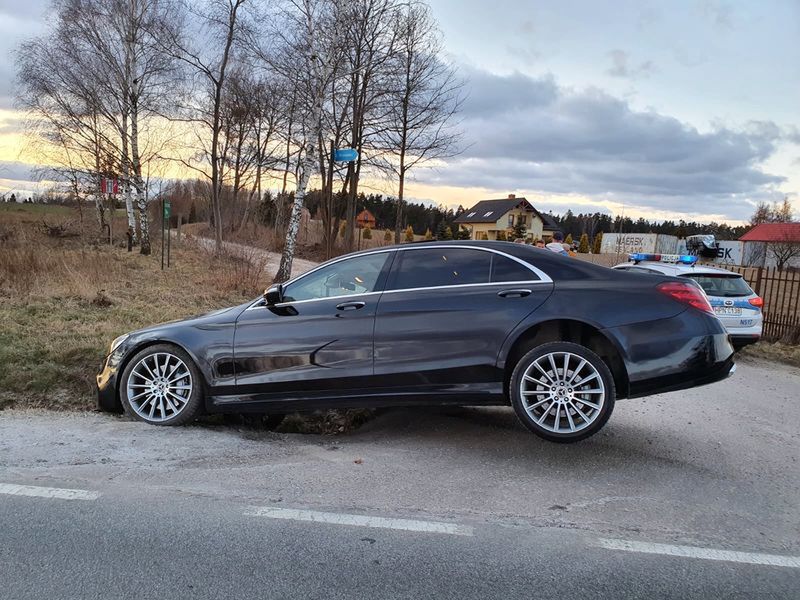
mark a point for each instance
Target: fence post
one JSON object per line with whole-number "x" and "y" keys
{"x": 758, "y": 281}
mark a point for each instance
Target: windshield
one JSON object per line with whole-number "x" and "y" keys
{"x": 727, "y": 286}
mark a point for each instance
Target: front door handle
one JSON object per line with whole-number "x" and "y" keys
{"x": 516, "y": 293}
{"x": 350, "y": 305}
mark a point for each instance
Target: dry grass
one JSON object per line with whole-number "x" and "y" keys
{"x": 773, "y": 352}
{"x": 62, "y": 300}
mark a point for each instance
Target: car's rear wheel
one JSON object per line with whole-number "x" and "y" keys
{"x": 162, "y": 386}
{"x": 562, "y": 392}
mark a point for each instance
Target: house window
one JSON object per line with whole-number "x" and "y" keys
{"x": 488, "y": 213}
{"x": 523, "y": 219}
{"x": 510, "y": 220}
{"x": 472, "y": 214}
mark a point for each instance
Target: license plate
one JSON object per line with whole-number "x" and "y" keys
{"x": 728, "y": 311}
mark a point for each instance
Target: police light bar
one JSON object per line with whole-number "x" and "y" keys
{"x": 684, "y": 259}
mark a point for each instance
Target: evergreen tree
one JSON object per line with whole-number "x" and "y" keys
{"x": 387, "y": 235}
{"x": 367, "y": 233}
{"x": 583, "y": 245}
{"x": 409, "y": 233}
{"x": 519, "y": 230}
{"x": 598, "y": 242}
{"x": 568, "y": 239}
{"x": 428, "y": 234}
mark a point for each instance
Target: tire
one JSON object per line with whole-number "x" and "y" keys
{"x": 557, "y": 408}
{"x": 161, "y": 385}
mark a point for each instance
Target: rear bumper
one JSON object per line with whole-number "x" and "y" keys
{"x": 689, "y": 350}
{"x": 671, "y": 383}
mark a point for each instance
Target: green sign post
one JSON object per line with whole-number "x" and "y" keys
{"x": 166, "y": 211}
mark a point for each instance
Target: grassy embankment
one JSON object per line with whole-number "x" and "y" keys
{"x": 64, "y": 297}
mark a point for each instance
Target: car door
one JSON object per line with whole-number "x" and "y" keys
{"x": 319, "y": 338}
{"x": 445, "y": 313}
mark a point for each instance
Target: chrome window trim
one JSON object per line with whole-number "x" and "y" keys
{"x": 543, "y": 277}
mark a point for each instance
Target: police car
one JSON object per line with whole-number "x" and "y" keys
{"x": 733, "y": 301}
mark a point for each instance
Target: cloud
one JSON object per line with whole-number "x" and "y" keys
{"x": 530, "y": 134}
{"x": 15, "y": 171}
{"x": 621, "y": 68}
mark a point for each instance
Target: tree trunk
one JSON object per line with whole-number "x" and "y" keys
{"x": 313, "y": 131}
{"x": 126, "y": 180}
{"x": 138, "y": 182}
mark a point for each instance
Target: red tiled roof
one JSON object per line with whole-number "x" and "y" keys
{"x": 773, "y": 232}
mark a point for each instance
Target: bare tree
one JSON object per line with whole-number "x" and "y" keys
{"x": 310, "y": 33}
{"x": 426, "y": 97}
{"x": 63, "y": 108}
{"x": 784, "y": 250}
{"x": 370, "y": 46}
{"x": 205, "y": 39}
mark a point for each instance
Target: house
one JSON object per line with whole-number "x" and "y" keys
{"x": 488, "y": 218}
{"x": 365, "y": 219}
{"x": 772, "y": 244}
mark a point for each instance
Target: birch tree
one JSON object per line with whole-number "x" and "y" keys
{"x": 314, "y": 38}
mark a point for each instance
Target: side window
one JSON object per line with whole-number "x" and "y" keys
{"x": 357, "y": 275}
{"x": 434, "y": 267}
{"x": 505, "y": 269}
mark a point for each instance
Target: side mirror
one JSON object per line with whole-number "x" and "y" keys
{"x": 274, "y": 295}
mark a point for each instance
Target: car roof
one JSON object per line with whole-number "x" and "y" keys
{"x": 557, "y": 266}
{"x": 677, "y": 269}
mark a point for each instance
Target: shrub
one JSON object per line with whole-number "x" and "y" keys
{"x": 568, "y": 240}
{"x": 409, "y": 234}
{"x": 367, "y": 233}
{"x": 428, "y": 234}
{"x": 387, "y": 236}
{"x": 448, "y": 234}
{"x": 583, "y": 245}
{"x": 598, "y": 242}
{"x": 501, "y": 236}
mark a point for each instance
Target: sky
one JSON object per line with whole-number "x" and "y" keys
{"x": 682, "y": 109}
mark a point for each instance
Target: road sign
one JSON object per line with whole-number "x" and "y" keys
{"x": 345, "y": 155}
{"x": 167, "y": 209}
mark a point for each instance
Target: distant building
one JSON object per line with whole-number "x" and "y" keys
{"x": 772, "y": 245}
{"x": 489, "y": 217}
{"x": 365, "y": 219}
{"x": 773, "y": 232}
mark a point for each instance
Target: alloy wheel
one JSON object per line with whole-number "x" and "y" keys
{"x": 159, "y": 387}
{"x": 562, "y": 392}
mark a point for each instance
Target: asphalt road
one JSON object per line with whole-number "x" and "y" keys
{"x": 686, "y": 495}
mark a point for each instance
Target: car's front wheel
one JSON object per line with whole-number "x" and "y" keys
{"x": 162, "y": 386}
{"x": 562, "y": 392}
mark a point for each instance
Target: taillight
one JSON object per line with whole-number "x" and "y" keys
{"x": 686, "y": 293}
{"x": 757, "y": 302}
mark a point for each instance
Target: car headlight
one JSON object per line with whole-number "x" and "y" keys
{"x": 116, "y": 343}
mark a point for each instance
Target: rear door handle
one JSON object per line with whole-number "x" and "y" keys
{"x": 350, "y": 305}
{"x": 517, "y": 293}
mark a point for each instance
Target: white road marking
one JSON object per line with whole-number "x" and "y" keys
{"x": 47, "y": 492}
{"x": 359, "y": 520}
{"x": 752, "y": 558}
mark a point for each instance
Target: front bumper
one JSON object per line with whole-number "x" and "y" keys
{"x": 107, "y": 398}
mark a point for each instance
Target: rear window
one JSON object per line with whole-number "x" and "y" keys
{"x": 727, "y": 286}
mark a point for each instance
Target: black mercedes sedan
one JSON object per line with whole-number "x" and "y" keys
{"x": 465, "y": 323}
